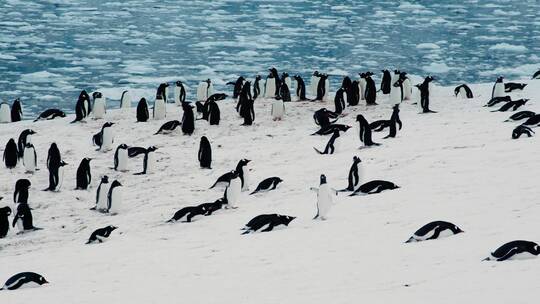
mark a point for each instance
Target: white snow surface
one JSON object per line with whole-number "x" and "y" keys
{"x": 458, "y": 165}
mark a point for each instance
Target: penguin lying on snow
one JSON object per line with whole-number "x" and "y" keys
{"x": 514, "y": 105}
{"x": 515, "y": 250}
{"x": 24, "y": 279}
{"x": 267, "y": 222}
{"x": 190, "y": 212}
{"x": 532, "y": 121}
{"x": 50, "y": 114}
{"x": 495, "y": 100}
{"x": 521, "y": 115}
{"x": 99, "y": 235}
{"x": 374, "y": 186}
{"x": 520, "y": 130}
{"x": 267, "y": 184}
{"x": 512, "y": 86}
{"x": 168, "y": 127}
{"x": 434, "y": 230}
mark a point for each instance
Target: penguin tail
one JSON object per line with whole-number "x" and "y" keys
{"x": 486, "y": 259}
{"x": 171, "y": 220}
{"x": 88, "y": 242}
{"x": 246, "y": 232}
{"x": 34, "y": 121}
{"x": 410, "y": 240}
{"x": 316, "y": 150}
{"x": 256, "y": 191}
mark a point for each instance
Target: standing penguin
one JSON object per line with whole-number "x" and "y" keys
{"x": 214, "y": 115}
{"x": 365, "y": 131}
{"x": 142, "y": 111}
{"x": 324, "y": 198}
{"x": 23, "y": 218}
{"x": 371, "y": 91}
{"x": 56, "y": 176}
{"x": 83, "y": 107}
{"x": 498, "y": 88}
{"x": 257, "y": 87}
{"x": 162, "y": 92}
{"x": 322, "y": 88}
{"x": 205, "y": 153}
{"x": 179, "y": 93}
{"x": 148, "y": 161}
{"x": 5, "y": 212}
{"x": 84, "y": 175}
{"x": 24, "y": 138}
{"x": 105, "y": 138}
{"x": 396, "y": 93}
{"x": 332, "y": 144}
{"x": 121, "y": 158}
{"x": 114, "y": 198}
{"x": 102, "y": 193}
{"x": 277, "y": 81}
{"x": 159, "y": 111}
{"x": 188, "y": 119}
{"x": 30, "y": 158}
{"x": 284, "y": 92}
{"x": 5, "y": 112}
{"x": 232, "y": 193}
{"x": 53, "y": 156}
{"x": 20, "y": 195}
{"x": 245, "y": 95}
{"x": 424, "y": 94}
{"x": 269, "y": 86}
{"x": 16, "y": 110}
{"x": 100, "y": 106}
{"x": 386, "y": 82}
{"x": 204, "y": 90}
{"x": 362, "y": 85}
{"x": 300, "y": 88}
{"x": 339, "y": 101}
{"x": 354, "y": 174}
{"x": 407, "y": 86}
{"x": 248, "y": 113}
{"x": 237, "y": 86}
{"x": 125, "y": 100}
{"x": 278, "y": 109}
{"x": 11, "y": 154}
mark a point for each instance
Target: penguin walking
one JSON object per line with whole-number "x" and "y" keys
{"x": 53, "y": 155}
{"x": 278, "y": 109}
{"x": 105, "y": 138}
{"x": 498, "y": 88}
{"x": 322, "y": 88}
{"x": 355, "y": 174}
{"x": 205, "y": 153}
{"x": 5, "y": 212}
{"x": 159, "y": 110}
{"x": 324, "y": 198}
{"x": 214, "y": 115}
{"x": 102, "y": 194}
{"x": 300, "y": 88}
{"x": 83, "y": 107}
{"x": 365, "y": 131}
{"x": 100, "y": 105}
{"x": 332, "y": 144}
{"x": 30, "y": 158}
{"x": 114, "y": 198}
{"x": 188, "y": 119}
{"x": 424, "y": 94}
{"x": 20, "y": 195}
{"x": 23, "y": 218}
{"x": 121, "y": 158}
{"x": 267, "y": 184}
{"x": 463, "y": 91}
{"x": 168, "y": 127}
{"x": 5, "y": 113}
{"x": 179, "y": 93}
{"x": 125, "y": 100}
{"x": 232, "y": 192}
{"x": 24, "y": 279}
{"x": 16, "y": 110}
{"x": 142, "y": 111}
{"x": 519, "y": 249}
{"x": 434, "y": 230}
{"x": 396, "y": 93}
{"x": 24, "y": 138}
{"x": 11, "y": 154}
{"x": 84, "y": 174}
{"x": 56, "y": 176}
{"x": 101, "y": 234}
{"x": 204, "y": 90}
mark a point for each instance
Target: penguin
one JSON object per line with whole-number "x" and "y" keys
{"x": 300, "y": 88}
{"x": 237, "y": 86}
{"x": 105, "y": 138}
{"x": 386, "y": 82}
{"x": 245, "y": 95}
{"x": 148, "y": 161}
{"x": 463, "y": 91}
{"x": 125, "y": 100}
{"x": 82, "y": 108}
{"x": 346, "y": 84}
{"x": 232, "y": 192}
{"x": 190, "y": 212}
{"x": 50, "y": 114}
{"x": 533, "y": 120}
{"x": 520, "y": 130}
{"x": 257, "y": 87}
{"x": 407, "y": 86}
{"x": 374, "y": 186}
{"x": 84, "y": 174}
{"x": 248, "y": 113}
{"x": 284, "y": 92}
{"x": 16, "y": 110}
{"x": 136, "y": 151}
{"x": 101, "y": 234}
{"x": 515, "y": 250}
{"x": 285, "y": 79}
{"x": 100, "y": 106}
{"x": 101, "y": 194}
{"x": 179, "y": 93}
{"x": 269, "y": 86}
{"x": 121, "y": 158}
{"x": 162, "y": 92}
{"x": 24, "y": 138}
{"x": 339, "y": 101}
{"x": 23, "y": 218}
{"x": 214, "y": 115}
{"x": 496, "y": 100}
{"x": 424, "y": 94}
{"x": 396, "y": 91}
{"x": 5, "y": 113}
{"x": 370, "y": 92}
{"x": 322, "y": 117}
{"x": 267, "y": 222}
{"x": 322, "y": 88}
{"x": 168, "y": 127}
{"x": 314, "y": 82}
{"x": 5, "y": 212}
{"x": 240, "y": 169}
{"x": 536, "y": 75}
{"x": 498, "y": 88}
{"x": 267, "y": 184}
{"x": 521, "y": 115}
{"x": 514, "y": 105}
{"x": 159, "y": 111}
{"x": 204, "y": 90}
{"x": 212, "y": 207}
{"x": 380, "y": 125}
{"x": 354, "y": 94}
{"x": 114, "y": 198}
{"x": 278, "y": 109}
{"x": 277, "y": 81}
{"x": 20, "y": 195}
{"x": 361, "y": 86}
{"x": 330, "y": 129}
{"x": 11, "y": 154}
{"x": 53, "y": 156}
{"x": 56, "y": 176}
{"x": 434, "y": 230}
{"x": 324, "y": 198}
{"x": 188, "y": 119}
{"x": 142, "y": 111}
{"x": 365, "y": 131}
{"x": 354, "y": 174}
{"x": 24, "y": 279}
{"x": 205, "y": 153}
{"x": 30, "y": 158}
{"x": 332, "y": 144}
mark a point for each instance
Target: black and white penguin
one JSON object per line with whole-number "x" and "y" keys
{"x": 101, "y": 234}
{"x": 514, "y": 105}
{"x": 16, "y": 110}
{"x": 148, "y": 161}
{"x": 424, "y": 94}
{"x": 533, "y": 120}
{"x": 322, "y": 117}
{"x": 330, "y": 129}
{"x": 386, "y": 82}
{"x": 53, "y": 155}
{"x": 142, "y": 111}
{"x": 168, "y": 127}
{"x": 248, "y": 113}
{"x": 370, "y": 93}
{"x": 136, "y": 151}
{"x": 233, "y": 189}
{"x": 463, "y": 91}
{"x": 332, "y": 145}
{"x": 354, "y": 174}
{"x": 380, "y": 125}
{"x": 24, "y": 279}
{"x": 278, "y": 109}
{"x": 374, "y": 186}
{"x": 339, "y": 101}
{"x": 245, "y": 95}
{"x": 277, "y": 81}
{"x": 125, "y": 100}
{"x": 100, "y": 105}
{"x": 354, "y": 94}
{"x": 161, "y": 92}
{"x": 20, "y": 195}
{"x": 396, "y": 91}
{"x": 50, "y": 114}
{"x": 365, "y": 131}
{"x": 189, "y": 213}
{"x": 210, "y": 208}
{"x": 361, "y": 86}
{"x": 515, "y": 250}
{"x": 23, "y": 218}
{"x": 159, "y": 111}
{"x": 434, "y": 230}
{"x": 105, "y": 138}
{"x": 284, "y": 92}
{"x": 179, "y": 93}
{"x": 521, "y": 130}
{"x": 237, "y": 86}
{"x": 498, "y": 88}
{"x": 324, "y": 198}
{"x": 121, "y": 158}
{"x": 407, "y": 86}
{"x": 322, "y": 88}
{"x": 114, "y": 198}
{"x": 267, "y": 222}
{"x": 521, "y": 115}
{"x": 84, "y": 174}
{"x": 346, "y": 84}
{"x": 226, "y": 178}
{"x": 11, "y": 154}
{"x": 495, "y": 100}
{"x": 313, "y": 82}
{"x": 214, "y": 115}
{"x": 5, "y": 212}
{"x": 83, "y": 107}
{"x": 5, "y": 113}
{"x": 267, "y": 184}
{"x": 56, "y": 176}
{"x": 30, "y": 158}
{"x": 300, "y": 88}
{"x": 205, "y": 153}
{"x": 188, "y": 119}
{"x": 24, "y": 138}
{"x": 102, "y": 194}
{"x": 257, "y": 87}
{"x": 205, "y": 90}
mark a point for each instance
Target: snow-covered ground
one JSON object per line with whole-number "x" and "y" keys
{"x": 458, "y": 165}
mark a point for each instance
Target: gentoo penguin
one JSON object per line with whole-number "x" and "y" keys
{"x": 370, "y": 93}
{"x": 237, "y": 86}
{"x": 100, "y": 106}
{"x": 56, "y": 176}
{"x": 278, "y": 109}
{"x": 136, "y": 151}
{"x": 101, "y": 194}
{"x": 223, "y": 180}
{"x": 148, "y": 161}
{"x": 5, "y": 212}
{"x": 495, "y": 100}
{"x": 267, "y": 184}
{"x": 515, "y": 250}
{"x": 285, "y": 79}
{"x": 380, "y": 125}
{"x": 374, "y": 186}
{"x": 365, "y": 131}
{"x": 245, "y": 95}
{"x": 277, "y": 81}
{"x": 53, "y": 155}
{"x": 268, "y": 222}
{"x": 521, "y": 115}
{"x": 214, "y": 115}
{"x": 105, "y": 138}
{"x": 434, "y": 230}
{"x": 23, "y": 218}
{"x": 5, "y": 113}
{"x": 270, "y": 86}
{"x": 204, "y": 90}
{"x": 339, "y": 101}
{"x": 30, "y": 158}
{"x": 300, "y": 88}
{"x": 210, "y": 208}
{"x": 354, "y": 174}
{"x": 162, "y": 92}
{"x": 232, "y": 193}
{"x": 189, "y": 213}
{"x": 424, "y": 94}
{"x": 332, "y": 144}
{"x": 248, "y": 112}
{"x": 24, "y": 279}
{"x": 84, "y": 175}
{"x": 257, "y": 87}
{"x": 330, "y": 129}
{"x": 346, "y": 85}
{"x": 24, "y": 138}
{"x": 16, "y": 110}
{"x": 11, "y": 155}
{"x": 121, "y": 158}
{"x": 20, "y": 195}
{"x": 205, "y": 153}
{"x": 407, "y": 86}
{"x": 284, "y": 92}
{"x": 463, "y": 91}
{"x": 520, "y": 130}
{"x": 533, "y": 120}
{"x": 514, "y": 105}
{"x": 179, "y": 93}
{"x": 396, "y": 91}
{"x": 101, "y": 234}
{"x": 322, "y": 117}
{"x": 322, "y": 88}
{"x": 125, "y": 100}
{"x": 508, "y": 87}
{"x": 498, "y": 88}
{"x": 168, "y": 127}
{"x": 386, "y": 82}
{"x": 114, "y": 198}
{"x": 50, "y": 114}
{"x": 240, "y": 169}
{"x": 536, "y": 75}
{"x": 160, "y": 110}
{"x": 314, "y": 82}
{"x": 324, "y": 198}
{"x": 142, "y": 111}
{"x": 82, "y": 108}
{"x": 362, "y": 86}
{"x": 188, "y": 119}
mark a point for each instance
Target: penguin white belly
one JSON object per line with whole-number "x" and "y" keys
{"x": 99, "y": 108}
{"x": 116, "y": 201}
{"x": 233, "y": 192}
{"x": 523, "y": 256}
{"x": 277, "y": 109}
{"x": 327, "y": 85}
{"x": 160, "y": 111}
{"x": 125, "y": 102}
{"x": 86, "y": 105}
{"x": 314, "y": 82}
{"x": 462, "y": 93}
{"x": 288, "y": 82}
{"x": 324, "y": 201}
{"x": 210, "y": 90}
{"x": 201, "y": 91}
{"x": 177, "y": 95}
{"x": 362, "y": 88}
{"x": 108, "y": 139}
{"x": 60, "y": 179}
{"x": 102, "y": 202}
{"x": 122, "y": 160}
{"x": 29, "y": 160}
{"x": 246, "y": 179}
{"x": 395, "y": 95}
{"x": 5, "y": 113}
{"x": 151, "y": 163}
{"x": 407, "y": 89}
{"x": 270, "y": 88}
{"x": 499, "y": 90}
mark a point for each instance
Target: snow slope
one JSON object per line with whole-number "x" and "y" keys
{"x": 458, "y": 165}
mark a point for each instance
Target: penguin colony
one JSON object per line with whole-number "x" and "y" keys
{"x": 278, "y": 88}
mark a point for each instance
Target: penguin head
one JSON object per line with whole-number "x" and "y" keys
{"x": 6, "y": 211}
{"x": 361, "y": 118}
{"x": 500, "y": 79}
{"x": 208, "y": 81}
{"x": 287, "y": 219}
{"x": 316, "y": 73}
{"x": 178, "y": 83}
{"x": 394, "y": 186}
{"x": 123, "y": 146}
{"x": 279, "y": 180}
{"x": 63, "y": 163}
{"x": 362, "y": 75}
{"x": 97, "y": 95}
{"x": 457, "y": 230}
{"x": 62, "y": 114}
{"x": 357, "y": 159}
{"x": 108, "y": 124}
{"x": 244, "y": 161}
{"x": 273, "y": 71}
{"x": 84, "y": 95}
{"x": 105, "y": 179}
{"x": 41, "y": 280}
{"x": 176, "y": 123}
{"x": 536, "y": 249}
{"x": 151, "y": 149}
{"x": 430, "y": 78}
{"x": 258, "y": 77}
{"x": 23, "y": 183}
{"x": 87, "y": 159}
{"x": 30, "y": 132}
{"x": 323, "y": 179}
{"x": 116, "y": 183}
{"x": 112, "y": 228}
